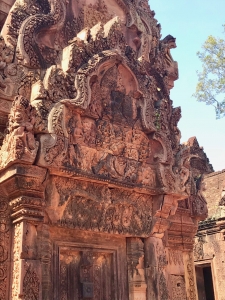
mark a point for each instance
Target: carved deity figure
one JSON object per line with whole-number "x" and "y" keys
{"x": 8, "y": 70}
{"x": 199, "y": 204}
{"x": 20, "y": 143}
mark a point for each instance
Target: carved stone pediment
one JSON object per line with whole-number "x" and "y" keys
{"x": 99, "y": 92}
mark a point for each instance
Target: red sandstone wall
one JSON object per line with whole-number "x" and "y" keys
{"x": 5, "y": 6}
{"x": 215, "y": 183}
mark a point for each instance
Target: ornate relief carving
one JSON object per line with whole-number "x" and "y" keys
{"x": 8, "y": 70}
{"x": 31, "y": 285}
{"x": 198, "y": 202}
{"x": 17, "y": 236}
{"x": 4, "y": 248}
{"x": 136, "y": 271}
{"x": 191, "y": 278}
{"x": 14, "y": 78}
{"x": 123, "y": 57}
{"x": 161, "y": 263}
{"x": 163, "y": 290}
{"x": 118, "y": 211}
{"x": 176, "y": 257}
{"x": 26, "y": 50}
{"x": 135, "y": 254}
{"x": 93, "y": 80}
{"x": 178, "y": 287}
{"x": 199, "y": 249}
{"x": 93, "y": 14}
{"x": 20, "y": 144}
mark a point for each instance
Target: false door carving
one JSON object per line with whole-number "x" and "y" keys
{"x": 87, "y": 273}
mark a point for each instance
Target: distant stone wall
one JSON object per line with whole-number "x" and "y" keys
{"x": 215, "y": 184}
{"x": 210, "y": 241}
{"x": 209, "y": 250}
{"x": 5, "y": 6}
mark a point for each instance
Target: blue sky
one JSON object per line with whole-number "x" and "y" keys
{"x": 191, "y": 22}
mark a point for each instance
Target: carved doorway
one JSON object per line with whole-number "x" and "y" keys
{"x": 205, "y": 282}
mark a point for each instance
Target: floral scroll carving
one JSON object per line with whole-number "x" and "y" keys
{"x": 4, "y": 247}
{"x": 31, "y": 285}
{"x": 16, "y": 260}
{"x": 178, "y": 287}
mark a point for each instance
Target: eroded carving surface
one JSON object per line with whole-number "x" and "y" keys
{"x": 31, "y": 284}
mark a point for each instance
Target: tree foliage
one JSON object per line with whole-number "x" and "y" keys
{"x": 211, "y": 81}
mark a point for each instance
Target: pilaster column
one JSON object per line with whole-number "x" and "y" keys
{"x": 24, "y": 187}
{"x": 136, "y": 270}
{"x": 190, "y": 278}
{"x": 5, "y": 228}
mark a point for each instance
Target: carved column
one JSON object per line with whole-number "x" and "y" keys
{"x": 24, "y": 187}
{"x": 190, "y": 277}
{"x": 136, "y": 270}
{"x": 45, "y": 248}
{"x": 155, "y": 267}
{"x": 4, "y": 247}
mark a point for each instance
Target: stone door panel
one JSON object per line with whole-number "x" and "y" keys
{"x": 87, "y": 271}
{"x": 86, "y": 274}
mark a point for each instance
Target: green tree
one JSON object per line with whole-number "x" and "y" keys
{"x": 211, "y": 81}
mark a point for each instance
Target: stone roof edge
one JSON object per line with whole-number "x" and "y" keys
{"x": 214, "y": 173}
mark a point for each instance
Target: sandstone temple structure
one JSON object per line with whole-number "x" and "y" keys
{"x": 99, "y": 200}
{"x": 209, "y": 249}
